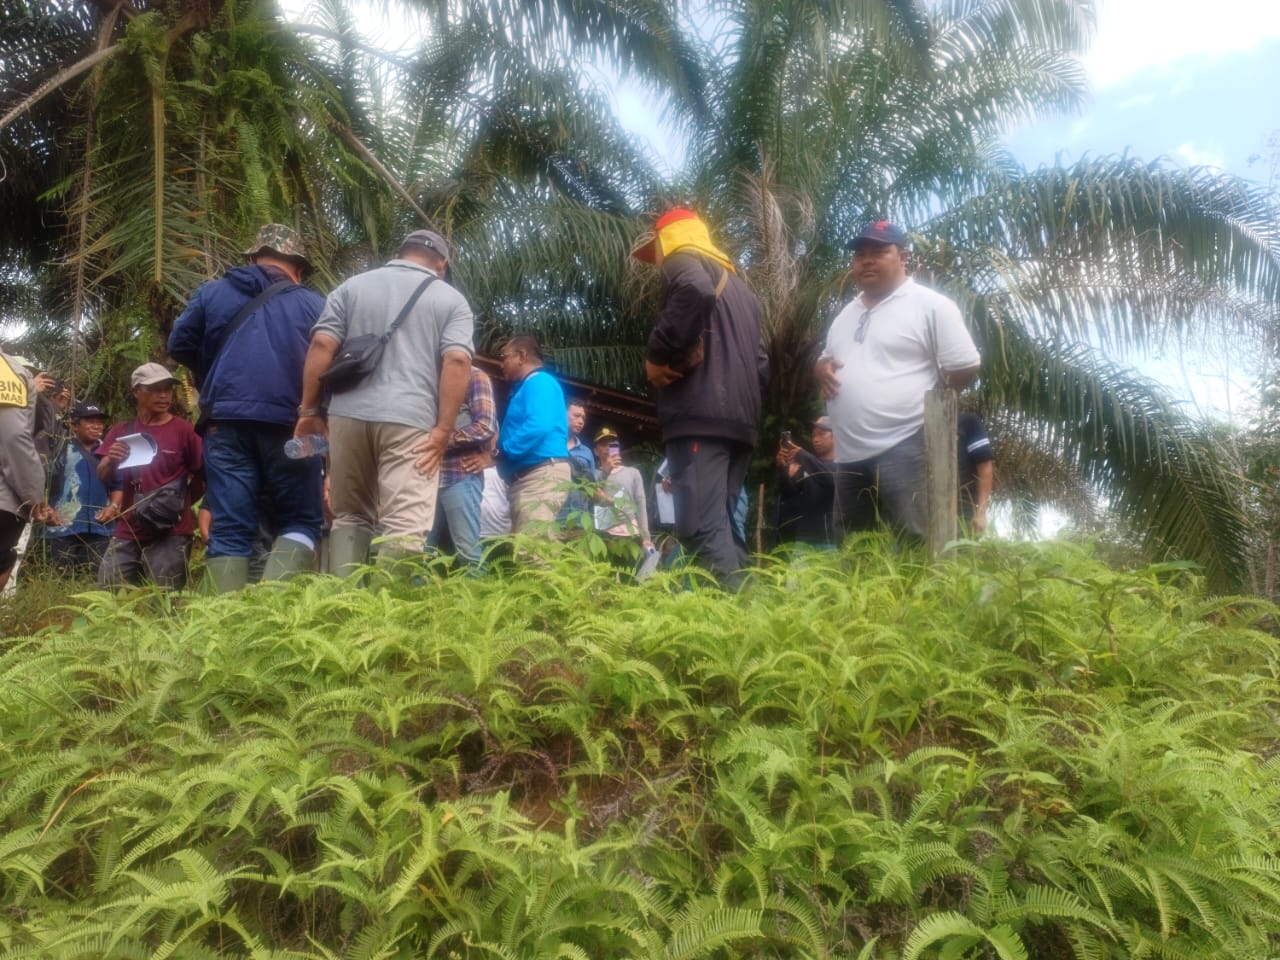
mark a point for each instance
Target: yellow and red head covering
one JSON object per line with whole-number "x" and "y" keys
{"x": 678, "y": 229}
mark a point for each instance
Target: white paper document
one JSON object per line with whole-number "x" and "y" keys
{"x": 142, "y": 450}
{"x": 666, "y": 502}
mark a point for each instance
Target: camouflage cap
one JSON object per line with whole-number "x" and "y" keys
{"x": 279, "y": 239}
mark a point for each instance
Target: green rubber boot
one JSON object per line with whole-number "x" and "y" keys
{"x": 226, "y": 574}
{"x": 348, "y": 549}
{"x": 288, "y": 557}
{"x": 388, "y": 559}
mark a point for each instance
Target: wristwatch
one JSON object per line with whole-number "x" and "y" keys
{"x": 310, "y": 411}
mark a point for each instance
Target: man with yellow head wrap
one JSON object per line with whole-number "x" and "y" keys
{"x": 707, "y": 363}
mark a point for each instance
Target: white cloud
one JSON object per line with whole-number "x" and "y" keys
{"x": 1135, "y": 36}
{"x": 1195, "y": 155}
{"x": 1132, "y": 103}
{"x": 1078, "y": 129}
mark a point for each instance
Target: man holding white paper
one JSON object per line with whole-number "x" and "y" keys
{"x": 151, "y": 466}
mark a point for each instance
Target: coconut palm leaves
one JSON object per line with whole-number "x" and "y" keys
{"x": 826, "y": 115}
{"x": 180, "y": 129}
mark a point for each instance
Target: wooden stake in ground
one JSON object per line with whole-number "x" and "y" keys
{"x": 940, "y": 468}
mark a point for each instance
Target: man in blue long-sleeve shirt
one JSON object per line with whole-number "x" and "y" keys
{"x": 533, "y": 441}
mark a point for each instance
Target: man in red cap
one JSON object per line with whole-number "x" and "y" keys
{"x": 707, "y": 363}
{"x": 894, "y": 342}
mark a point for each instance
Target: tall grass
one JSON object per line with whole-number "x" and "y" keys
{"x": 1020, "y": 754}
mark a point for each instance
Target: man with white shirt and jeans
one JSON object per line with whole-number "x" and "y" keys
{"x": 894, "y": 342}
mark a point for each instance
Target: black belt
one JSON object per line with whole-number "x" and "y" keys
{"x": 525, "y": 471}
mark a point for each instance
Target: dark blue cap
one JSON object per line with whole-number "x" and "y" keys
{"x": 87, "y": 411}
{"x": 881, "y": 231}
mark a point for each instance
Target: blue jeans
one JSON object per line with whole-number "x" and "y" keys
{"x": 249, "y": 476}
{"x": 458, "y": 515}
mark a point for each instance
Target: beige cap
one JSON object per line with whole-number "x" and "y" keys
{"x": 149, "y": 374}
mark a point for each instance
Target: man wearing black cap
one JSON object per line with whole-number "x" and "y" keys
{"x": 249, "y": 372}
{"x": 76, "y": 532}
{"x": 621, "y": 508}
{"x": 894, "y": 342}
{"x": 388, "y": 433}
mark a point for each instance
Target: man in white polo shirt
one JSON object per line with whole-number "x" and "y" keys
{"x": 892, "y": 343}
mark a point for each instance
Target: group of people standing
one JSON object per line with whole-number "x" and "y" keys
{"x": 379, "y": 376}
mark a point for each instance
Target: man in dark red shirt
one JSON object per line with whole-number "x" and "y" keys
{"x": 145, "y": 547}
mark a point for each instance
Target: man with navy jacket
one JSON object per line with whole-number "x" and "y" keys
{"x": 250, "y": 382}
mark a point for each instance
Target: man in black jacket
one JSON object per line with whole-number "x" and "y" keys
{"x": 708, "y": 365}
{"x": 806, "y": 489}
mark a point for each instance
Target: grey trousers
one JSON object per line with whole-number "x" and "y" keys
{"x": 163, "y": 561}
{"x": 888, "y": 488}
{"x": 706, "y": 477}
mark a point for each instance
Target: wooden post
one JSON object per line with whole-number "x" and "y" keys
{"x": 940, "y": 468}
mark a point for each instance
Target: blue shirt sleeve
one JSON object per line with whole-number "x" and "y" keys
{"x": 187, "y": 338}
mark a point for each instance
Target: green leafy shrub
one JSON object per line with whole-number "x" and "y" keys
{"x": 1020, "y": 754}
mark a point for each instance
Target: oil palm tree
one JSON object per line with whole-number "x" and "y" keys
{"x": 150, "y": 137}
{"x": 178, "y": 127}
{"x": 823, "y": 115}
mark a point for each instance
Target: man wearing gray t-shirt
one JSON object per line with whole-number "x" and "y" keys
{"x": 388, "y": 433}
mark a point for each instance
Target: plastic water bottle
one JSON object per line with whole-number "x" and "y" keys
{"x": 650, "y": 563}
{"x": 309, "y": 445}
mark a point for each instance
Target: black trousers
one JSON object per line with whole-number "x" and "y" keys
{"x": 10, "y": 533}
{"x": 77, "y": 552}
{"x": 706, "y": 477}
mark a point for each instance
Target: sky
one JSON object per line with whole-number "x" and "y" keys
{"x": 1195, "y": 83}
{"x": 1192, "y": 81}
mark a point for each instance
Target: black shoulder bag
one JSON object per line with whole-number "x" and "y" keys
{"x": 160, "y": 510}
{"x": 359, "y": 356}
{"x": 236, "y": 323}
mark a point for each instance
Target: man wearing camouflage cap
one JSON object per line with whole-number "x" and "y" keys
{"x": 248, "y": 369}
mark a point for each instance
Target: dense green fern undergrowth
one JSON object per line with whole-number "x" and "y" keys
{"x": 1021, "y": 753}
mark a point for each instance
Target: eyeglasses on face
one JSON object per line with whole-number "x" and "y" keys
{"x": 860, "y": 334}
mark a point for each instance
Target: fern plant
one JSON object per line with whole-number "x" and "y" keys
{"x": 1019, "y": 754}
